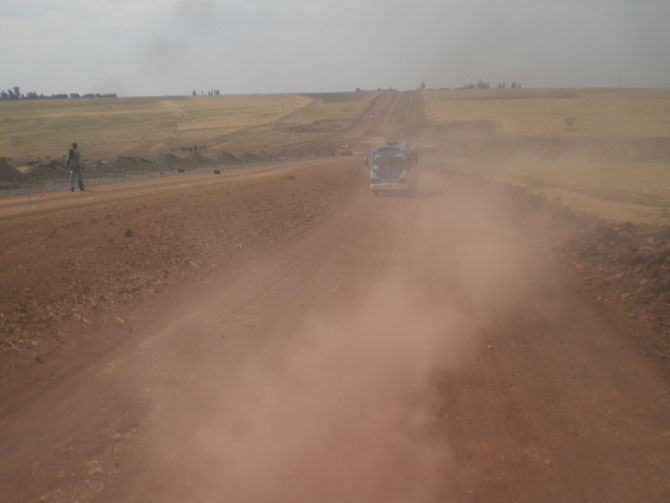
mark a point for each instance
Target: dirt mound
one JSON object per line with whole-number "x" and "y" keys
{"x": 48, "y": 169}
{"x": 169, "y": 160}
{"x": 129, "y": 164}
{"x": 166, "y": 158}
{"x": 226, "y": 158}
{"x": 9, "y": 173}
{"x": 94, "y": 166}
{"x": 197, "y": 158}
{"x": 253, "y": 157}
{"x": 310, "y": 149}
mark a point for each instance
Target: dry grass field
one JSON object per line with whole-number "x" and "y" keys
{"x": 144, "y": 126}
{"x": 324, "y": 121}
{"x": 105, "y": 127}
{"x": 628, "y": 187}
{"x": 597, "y": 112}
{"x": 621, "y": 191}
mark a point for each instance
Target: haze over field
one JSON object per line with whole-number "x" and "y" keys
{"x": 158, "y": 47}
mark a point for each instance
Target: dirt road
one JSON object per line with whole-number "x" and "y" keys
{"x": 393, "y": 349}
{"x": 391, "y": 114}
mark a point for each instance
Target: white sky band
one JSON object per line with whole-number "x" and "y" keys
{"x": 157, "y": 47}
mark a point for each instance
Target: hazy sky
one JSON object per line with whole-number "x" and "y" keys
{"x": 156, "y": 47}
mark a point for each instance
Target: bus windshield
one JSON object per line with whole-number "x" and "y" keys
{"x": 390, "y": 162}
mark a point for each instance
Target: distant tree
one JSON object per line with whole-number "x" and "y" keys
{"x": 4, "y": 95}
{"x": 217, "y": 92}
{"x": 358, "y": 89}
{"x": 513, "y": 86}
{"x": 74, "y": 95}
{"x": 17, "y": 92}
{"x": 194, "y": 93}
{"x": 422, "y": 86}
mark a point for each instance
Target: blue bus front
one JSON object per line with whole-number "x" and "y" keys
{"x": 393, "y": 168}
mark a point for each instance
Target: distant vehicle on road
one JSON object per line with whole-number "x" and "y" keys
{"x": 393, "y": 168}
{"x": 345, "y": 150}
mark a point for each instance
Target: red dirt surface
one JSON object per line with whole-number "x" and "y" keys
{"x": 280, "y": 335}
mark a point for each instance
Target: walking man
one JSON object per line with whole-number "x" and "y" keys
{"x": 73, "y": 162}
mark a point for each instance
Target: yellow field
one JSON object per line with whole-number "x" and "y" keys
{"x": 105, "y": 127}
{"x": 333, "y": 110}
{"x": 328, "y": 115}
{"x": 144, "y": 126}
{"x": 543, "y": 112}
{"x": 617, "y": 190}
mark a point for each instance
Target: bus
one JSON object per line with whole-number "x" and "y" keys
{"x": 393, "y": 168}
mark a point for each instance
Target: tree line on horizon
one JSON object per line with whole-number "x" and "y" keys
{"x": 485, "y": 85}
{"x": 479, "y": 85}
{"x": 211, "y": 92}
{"x": 15, "y": 94}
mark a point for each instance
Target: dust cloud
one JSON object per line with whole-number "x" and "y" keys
{"x": 343, "y": 404}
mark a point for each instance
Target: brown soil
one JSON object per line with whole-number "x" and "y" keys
{"x": 9, "y": 175}
{"x": 277, "y": 334}
{"x": 70, "y": 257}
